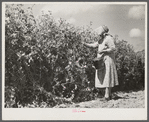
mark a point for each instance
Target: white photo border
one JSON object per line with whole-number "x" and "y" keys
{"x": 67, "y": 113}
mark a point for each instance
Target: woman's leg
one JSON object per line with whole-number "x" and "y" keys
{"x": 107, "y": 92}
{"x": 110, "y": 93}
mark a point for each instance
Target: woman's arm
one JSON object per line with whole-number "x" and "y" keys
{"x": 91, "y": 45}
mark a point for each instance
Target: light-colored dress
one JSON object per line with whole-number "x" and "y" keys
{"x": 107, "y": 77}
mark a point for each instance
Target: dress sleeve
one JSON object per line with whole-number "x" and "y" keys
{"x": 110, "y": 44}
{"x": 95, "y": 44}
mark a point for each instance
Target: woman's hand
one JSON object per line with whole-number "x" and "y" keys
{"x": 100, "y": 52}
{"x": 83, "y": 42}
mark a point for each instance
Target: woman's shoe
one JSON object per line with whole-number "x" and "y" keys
{"x": 105, "y": 99}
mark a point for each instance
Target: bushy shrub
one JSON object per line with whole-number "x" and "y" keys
{"x": 44, "y": 54}
{"x": 130, "y": 66}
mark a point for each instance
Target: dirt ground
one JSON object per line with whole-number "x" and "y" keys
{"x": 120, "y": 100}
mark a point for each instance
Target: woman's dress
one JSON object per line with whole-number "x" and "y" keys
{"x": 107, "y": 77}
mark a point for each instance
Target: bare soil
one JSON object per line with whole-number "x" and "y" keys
{"x": 120, "y": 100}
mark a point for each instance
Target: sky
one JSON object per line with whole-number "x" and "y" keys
{"x": 125, "y": 20}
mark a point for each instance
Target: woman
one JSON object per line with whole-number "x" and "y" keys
{"x": 107, "y": 77}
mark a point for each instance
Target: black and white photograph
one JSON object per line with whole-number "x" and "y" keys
{"x": 74, "y": 60}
